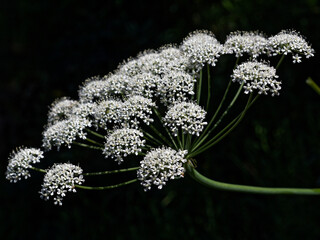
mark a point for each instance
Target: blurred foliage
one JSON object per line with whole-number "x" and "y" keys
{"x": 50, "y": 47}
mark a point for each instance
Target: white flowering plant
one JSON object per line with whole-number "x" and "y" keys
{"x": 158, "y": 107}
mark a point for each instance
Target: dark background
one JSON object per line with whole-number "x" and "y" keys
{"x": 48, "y": 48}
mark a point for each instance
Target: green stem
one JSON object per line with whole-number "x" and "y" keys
{"x": 151, "y": 138}
{"x": 199, "y": 87}
{"x": 213, "y": 141}
{"x": 38, "y": 169}
{"x": 111, "y": 171}
{"x": 106, "y": 187}
{"x": 167, "y": 130}
{"x": 209, "y": 87}
{"x": 247, "y": 189}
{"x": 280, "y": 61}
{"x": 95, "y": 133}
{"x": 204, "y": 137}
{"x": 87, "y": 146}
{"x": 94, "y": 142}
{"x": 313, "y": 85}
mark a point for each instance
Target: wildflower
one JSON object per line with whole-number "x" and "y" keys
{"x": 109, "y": 112}
{"x": 253, "y": 43}
{"x": 138, "y": 108}
{"x": 161, "y": 165}
{"x": 257, "y": 76}
{"x": 94, "y": 89}
{"x": 20, "y": 161}
{"x": 61, "y": 109}
{"x": 60, "y": 179}
{"x": 287, "y": 42}
{"x": 201, "y": 47}
{"x": 175, "y": 86}
{"x": 65, "y": 132}
{"x": 185, "y": 115}
{"x": 123, "y": 142}
{"x": 144, "y": 84}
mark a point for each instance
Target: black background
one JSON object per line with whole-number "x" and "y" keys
{"x": 48, "y": 48}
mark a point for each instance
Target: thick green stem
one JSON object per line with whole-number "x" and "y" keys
{"x": 247, "y": 189}
{"x": 313, "y": 85}
{"x": 106, "y": 187}
{"x": 111, "y": 171}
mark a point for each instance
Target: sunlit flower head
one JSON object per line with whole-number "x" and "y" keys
{"x": 252, "y": 43}
{"x": 161, "y": 165}
{"x": 61, "y": 109}
{"x": 289, "y": 41}
{"x": 123, "y": 142}
{"x": 201, "y": 47}
{"x": 20, "y": 161}
{"x": 185, "y": 115}
{"x": 60, "y": 179}
{"x": 65, "y": 132}
{"x": 257, "y": 76}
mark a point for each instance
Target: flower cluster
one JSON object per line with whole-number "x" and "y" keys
{"x": 123, "y": 142}
{"x": 160, "y": 165}
{"x": 59, "y": 180}
{"x": 61, "y": 109}
{"x": 144, "y": 106}
{"x": 21, "y": 161}
{"x": 252, "y": 43}
{"x": 257, "y": 76}
{"x": 185, "y": 115}
{"x": 287, "y": 42}
{"x": 202, "y": 47}
{"x": 65, "y": 132}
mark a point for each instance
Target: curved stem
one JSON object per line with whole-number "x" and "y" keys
{"x": 245, "y": 188}
{"x": 106, "y": 187}
{"x": 111, "y": 171}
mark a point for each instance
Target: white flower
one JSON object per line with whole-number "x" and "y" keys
{"x": 201, "y": 47}
{"x": 257, "y": 76}
{"x": 185, "y": 115}
{"x": 175, "y": 86}
{"x": 61, "y": 109}
{"x": 138, "y": 108}
{"x": 85, "y": 110}
{"x": 161, "y": 165}
{"x": 123, "y": 142}
{"x": 60, "y": 179}
{"x": 287, "y": 42}
{"x": 253, "y": 43}
{"x": 20, "y": 161}
{"x": 144, "y": 84}
{"x": 65, "y": 132}
{"x": 94, "y": 89}
{"x": 110, "y": 112}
